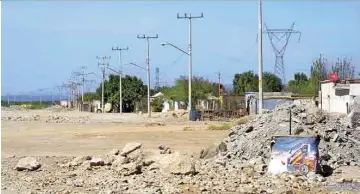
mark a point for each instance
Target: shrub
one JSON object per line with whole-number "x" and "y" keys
{"x": 219, "y": 127}
{"x": 157, "y": 105}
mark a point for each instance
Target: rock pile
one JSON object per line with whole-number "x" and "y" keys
{"x": 66, "y": 119}
{"x": 48, "y": 119}
{"x": 355, "y": 113}
{"x": 131, "y": 170}
{"x": 21, "y": 118}
{"x": 252, "y": 140}
{"x": 238, "y": 164}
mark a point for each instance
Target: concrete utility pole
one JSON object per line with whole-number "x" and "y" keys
{"x": 219, "y": 77}
{"x": 148, "y": 68}
{"x": 260, "y": 57}
{"x": 82, "y": 75}
{"x": 120, "y": 72}
{"x": 103, "y": 66}
{"x": 40, "y": 94}
{"x": 190, "y": 50}
{"x": 8, "y": 99}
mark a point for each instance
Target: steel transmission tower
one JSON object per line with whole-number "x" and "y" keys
{"x": 276, "y": 36}
{"x": 157, "y": 77}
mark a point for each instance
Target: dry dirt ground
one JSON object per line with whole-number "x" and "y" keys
{"x": 102, "y": 132}
{"x": 94, "y": 134}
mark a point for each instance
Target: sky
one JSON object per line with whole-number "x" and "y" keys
{"x": 43, "y": 42}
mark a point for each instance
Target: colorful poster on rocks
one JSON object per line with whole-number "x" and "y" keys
{"x": 298, "y": 154}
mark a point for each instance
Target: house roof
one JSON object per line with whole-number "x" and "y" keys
{"x": 157, "y": 95}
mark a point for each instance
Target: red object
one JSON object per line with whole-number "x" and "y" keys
{"x": 333, "y": 77}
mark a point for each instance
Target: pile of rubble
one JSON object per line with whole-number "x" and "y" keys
{"x": 238, "y": 164}
{"x": 66, "y": 119}
{"x": 338, "y": 145}
{"x": 132, "y": 170}
{"x": 48, "y": 119}
{"x": 34, "y": 117}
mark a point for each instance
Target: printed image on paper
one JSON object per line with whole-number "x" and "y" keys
{"x": 294, "y": 153}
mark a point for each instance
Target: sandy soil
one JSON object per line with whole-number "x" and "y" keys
{"x": 103, "y": 132}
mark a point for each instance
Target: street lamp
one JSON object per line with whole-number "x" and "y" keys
{"x": 148, "y": 83}
{"x": 190, "y": 68}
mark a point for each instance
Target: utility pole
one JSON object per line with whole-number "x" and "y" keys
{"x": 82, "y": 82}
{"x": 40, "y": 94}
{"x": 260, "y": 60}
{"x": 103, "y": 66}
{"x": 190, "y": 50}
{"x": 8, "y": 99}
{"x": 157, "y": 79}
{"x": 148, "y": 68}
{"x": 60, "y": 91}
{"x": 52, "y": 100}
{"x": 219, "y": 77}
{"x": 120, "y": 72}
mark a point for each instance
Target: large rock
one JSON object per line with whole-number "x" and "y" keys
{"x": 135, "y": 156}
{"x": 178, "y": 164}
{"x": 28, "y": 163}
{"x": 129, "y": 169}
{"x": 355, "y": 113}
{"x": 130, "y": 147}
{"x": 213, "y": 150}
{"x": 97, "y": 162}
{"x": 120, "y": 160}
{"x": 77, "y": 161}
{"x": 313, "y": 115}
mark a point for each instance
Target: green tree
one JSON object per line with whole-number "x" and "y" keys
{"x": 249, "y": 82}
{"x": 319, "y": 73}
{"x": 245, "y": 82}
{"x": 271, "y": 82}
{"x": 200, "y": 88}
{"x": 157, "y": 104}
{"x": 301, "y": 84}
{"x": 300, "y": 78}
{"x": 133, "y": 90}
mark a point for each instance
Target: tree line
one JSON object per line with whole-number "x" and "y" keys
{"x": 134, "y": 90}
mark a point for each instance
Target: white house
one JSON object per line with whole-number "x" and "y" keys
{"x": 167, "y": 103}
{"x": 338, "y": 97}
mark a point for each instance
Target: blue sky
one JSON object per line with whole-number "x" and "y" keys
{"x": 43, "y": 42}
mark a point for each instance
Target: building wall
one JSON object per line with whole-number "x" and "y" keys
{"x": 355, "y": 89}
{"x": 338, "y": 100}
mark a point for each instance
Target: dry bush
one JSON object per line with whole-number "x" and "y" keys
{"x": 219, "y": 127}
{"x": 244, "y": 120}
{"x": 188, "y": 129}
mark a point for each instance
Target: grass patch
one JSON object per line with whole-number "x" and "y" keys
{"x": 188, "y": 129}
{"x": 219, "y": 127}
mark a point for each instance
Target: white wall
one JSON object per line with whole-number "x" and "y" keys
{"x": 332, "y": 102}
{"x": 166, "y": 106}
{"x": 355, "y": 89}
